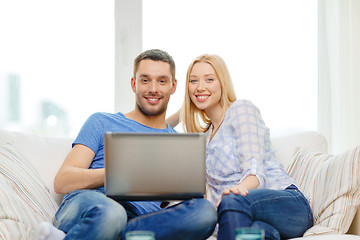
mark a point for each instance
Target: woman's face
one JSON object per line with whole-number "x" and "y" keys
{"x": 204, "y": 87}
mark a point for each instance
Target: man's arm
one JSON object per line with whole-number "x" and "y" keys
{"x": 75, "y": 174}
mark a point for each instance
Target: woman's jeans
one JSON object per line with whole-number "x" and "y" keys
{"x": 281, "y": 213}
{"x": 89, "y": 214}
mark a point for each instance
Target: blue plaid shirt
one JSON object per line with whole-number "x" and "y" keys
{"x": 242, "y": 147}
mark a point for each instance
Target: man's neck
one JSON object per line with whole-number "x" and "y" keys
{"x": 149, "y": 121}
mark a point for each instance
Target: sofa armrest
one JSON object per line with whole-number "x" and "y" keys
{"x": 355, "y": 225}
{"x": 46, "y": 154}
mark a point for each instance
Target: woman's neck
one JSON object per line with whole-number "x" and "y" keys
{"x": 216, "y": 116}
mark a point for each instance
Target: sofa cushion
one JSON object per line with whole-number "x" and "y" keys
{"x": 332, "y": 184}
{"x": 25, "y": 200}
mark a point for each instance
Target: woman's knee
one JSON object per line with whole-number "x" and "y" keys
{"x": 270, "y": 231}
{"x": 233, "y": 202}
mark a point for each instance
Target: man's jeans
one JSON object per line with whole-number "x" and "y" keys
{"x": 89, "y": 214}
{"x": 282, "y": 214}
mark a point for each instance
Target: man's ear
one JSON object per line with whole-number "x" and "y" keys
{"x": 133, "y": 84}
{"x": 173, "y": 86}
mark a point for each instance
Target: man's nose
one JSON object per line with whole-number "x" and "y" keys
{"x": 153, "y": 86}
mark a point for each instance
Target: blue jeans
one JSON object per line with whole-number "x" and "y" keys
{"x": 281, "y": 213}
{"x": 89, "y": 214}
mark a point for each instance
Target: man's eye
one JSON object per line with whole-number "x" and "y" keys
{"x": 162, "y": 81}
{"x": 144, "y": 80}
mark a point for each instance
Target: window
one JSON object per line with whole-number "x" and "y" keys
{"x": 270, "y": 48}
{"x": 57, "y": 58}
{"x": 56, "y": 64}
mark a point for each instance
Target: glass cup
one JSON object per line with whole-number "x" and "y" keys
{"x": 140, "y": 235}
{"x": 249, "y": 234}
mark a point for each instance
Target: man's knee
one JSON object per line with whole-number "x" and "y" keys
{"x": 94, "y": 210}
{"x": 204, "y": 212}
{"x": 208, "y": 210}
{"x": 111, "y": 215}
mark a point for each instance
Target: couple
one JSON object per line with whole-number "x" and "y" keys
{"x": 244, "y": 180}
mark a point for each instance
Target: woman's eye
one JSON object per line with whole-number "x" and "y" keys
{"x": 193, "y": 80}
{"x": 210, "y": 79}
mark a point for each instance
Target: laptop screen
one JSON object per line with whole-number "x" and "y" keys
{"x": 154, "y": 166}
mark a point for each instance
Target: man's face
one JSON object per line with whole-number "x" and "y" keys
{"x": 153, "y": 86}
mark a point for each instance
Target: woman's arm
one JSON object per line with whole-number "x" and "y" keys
{"x": 174, "y": 119}
{"x": 250, "y": 133}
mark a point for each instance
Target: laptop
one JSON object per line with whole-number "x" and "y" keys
{"x": 154, "y": 166}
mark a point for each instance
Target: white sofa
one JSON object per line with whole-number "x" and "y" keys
{"x": 47, "y": 154}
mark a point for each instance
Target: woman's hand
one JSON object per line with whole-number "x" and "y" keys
{"x": 238, "y": 189}
{"x": 250, "y": 182}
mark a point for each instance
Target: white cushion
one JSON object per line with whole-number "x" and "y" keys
{"x": 46, "y": 154}
{"x": 333, "y": 185}
{"x": 25, "y": 200}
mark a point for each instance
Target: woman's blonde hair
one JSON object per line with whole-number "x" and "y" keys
{"x": 194, "y": 119}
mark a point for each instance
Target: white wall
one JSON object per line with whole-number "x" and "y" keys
{"x": 128, "y": 44}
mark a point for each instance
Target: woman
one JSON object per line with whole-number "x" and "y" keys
{"x": 244, "y": 179}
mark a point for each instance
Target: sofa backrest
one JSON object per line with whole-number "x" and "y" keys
{"x": 285, "y": 146}
{"x": 47, "y": 153}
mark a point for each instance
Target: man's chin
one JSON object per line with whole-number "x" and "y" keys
{"x": 152, "y": 112}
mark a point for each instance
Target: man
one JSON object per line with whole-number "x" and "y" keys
{"x": 86, "y": 212}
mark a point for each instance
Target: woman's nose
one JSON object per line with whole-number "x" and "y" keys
{"x": 201, "y": 86}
